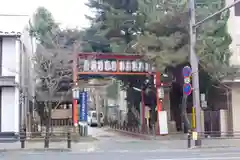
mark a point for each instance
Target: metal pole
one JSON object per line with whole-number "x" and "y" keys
{"x": 194, "y": 65}
{"x": 194, "y": 60}
{"x": 98, "y": 107}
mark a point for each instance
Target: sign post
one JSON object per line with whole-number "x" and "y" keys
{"x": 187, "y": 90}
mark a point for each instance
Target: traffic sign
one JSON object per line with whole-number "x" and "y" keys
{"x": 187, "y": 89}
{"x": 187, "y": 80}
{"x": 187, "y": 71}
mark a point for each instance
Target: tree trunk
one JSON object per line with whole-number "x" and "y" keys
{"x": 98, "y": 108}
{"x": 105, "y": 111}
{"x": 186, "y": 122}
{"x": 48, "y": 125}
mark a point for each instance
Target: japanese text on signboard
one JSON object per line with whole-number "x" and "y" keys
{"x": 113, "y": 66}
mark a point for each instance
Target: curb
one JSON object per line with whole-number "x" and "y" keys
{"x": 211, "y": 147}
{"x": 36, "y": 150}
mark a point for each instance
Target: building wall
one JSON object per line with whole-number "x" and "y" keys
{"x": 10, "y": 95}
{"x": 16, "y": 61}
{"x": 235, "y": 107}
{"x": 9, "y": 58}
{"x": 27, "y": 84}
{"x": 10, "y": 110}
{"x": 233, "y": 29}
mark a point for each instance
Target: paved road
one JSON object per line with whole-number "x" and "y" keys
{"x": 130, "y": 154}
{"x": 115, "y": 146}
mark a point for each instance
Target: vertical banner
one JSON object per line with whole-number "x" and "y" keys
{"x": 74, "y": 108}
{"x": 83, "y": 106}
{"x": 159, "y": 106}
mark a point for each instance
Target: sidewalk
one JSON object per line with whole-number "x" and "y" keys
{"x": 179, "y": 140}
{"x": 61, "y": 146}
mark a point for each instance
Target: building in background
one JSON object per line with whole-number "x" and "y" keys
{"x": 230, "y": 120}
{"x": 16, "y": 74}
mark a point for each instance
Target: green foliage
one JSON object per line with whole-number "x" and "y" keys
{"x": 159, "y": 30}
{"x": 44, "y": 27}
{"x": 165, "y": 38}
{"x": 115, "y": 23}
{"x": 47, "y": 31}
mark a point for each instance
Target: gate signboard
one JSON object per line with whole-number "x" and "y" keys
{"x": 90, "y": 64}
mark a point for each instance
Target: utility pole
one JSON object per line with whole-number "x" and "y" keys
{"x": 194, "y": 65}
{"x": 194, "y": 61}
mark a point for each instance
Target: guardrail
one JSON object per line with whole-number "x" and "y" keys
{"x": 132, "y": 129}
{"x": 25, "y": 137}
{"x": 209, "y": 138}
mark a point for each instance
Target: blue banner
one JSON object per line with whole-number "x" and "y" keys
{"x": 83, "y": 106}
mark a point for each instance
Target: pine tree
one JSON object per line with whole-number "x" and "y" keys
{"x": 115, "y": 22}
{"x": 165, "y": 38}
{"x": 159, "y": 29}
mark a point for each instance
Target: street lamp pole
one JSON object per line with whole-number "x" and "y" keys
{"x": 194, "y": 61}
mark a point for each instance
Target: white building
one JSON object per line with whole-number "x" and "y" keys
{"x": 16, "y": 91}
{"x": 231, "y": 119}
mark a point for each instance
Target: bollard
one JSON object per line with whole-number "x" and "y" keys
{"x": 189, "y": 139}
{"x": 23, "y": 137}
{"x": 22, "y": 141}
{"x": 68, "y": 140}
{"x": 85, "y": 127}
{"x": 80, "y": 130}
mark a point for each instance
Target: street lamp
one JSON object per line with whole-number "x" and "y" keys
{"x": 75, "y": 93}
{"x": 160, "y": 92}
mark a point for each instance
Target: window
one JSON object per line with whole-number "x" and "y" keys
{"x": 94, "y": 114}
{"x": 237, "y": 9}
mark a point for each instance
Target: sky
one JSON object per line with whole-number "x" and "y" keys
{"x": 69, "y": 13}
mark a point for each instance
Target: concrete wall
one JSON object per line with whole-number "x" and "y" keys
{"x": 10, "y": 95}
{"x": 9, "y": 57}
{"x": 10, "y": 110}
{"x": 16, "y": 61}
{"x": 236, "y": 107}
{"x": 224, "y": 122}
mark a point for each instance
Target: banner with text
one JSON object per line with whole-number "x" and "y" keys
{"x": 83, "y": 106}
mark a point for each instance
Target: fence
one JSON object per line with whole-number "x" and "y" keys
{"x": 54, "y": 137}
{"x": 215, "y": 124}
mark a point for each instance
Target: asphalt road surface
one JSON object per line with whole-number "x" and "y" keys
{"x": 130, "y": 154}
{"x": 112, "y": 146}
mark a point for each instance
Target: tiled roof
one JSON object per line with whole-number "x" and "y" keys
{"x": 13, "y": 25}
{"x": 12, "y": 33}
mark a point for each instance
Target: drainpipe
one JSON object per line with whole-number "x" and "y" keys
{"x": 21, "y": 95}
